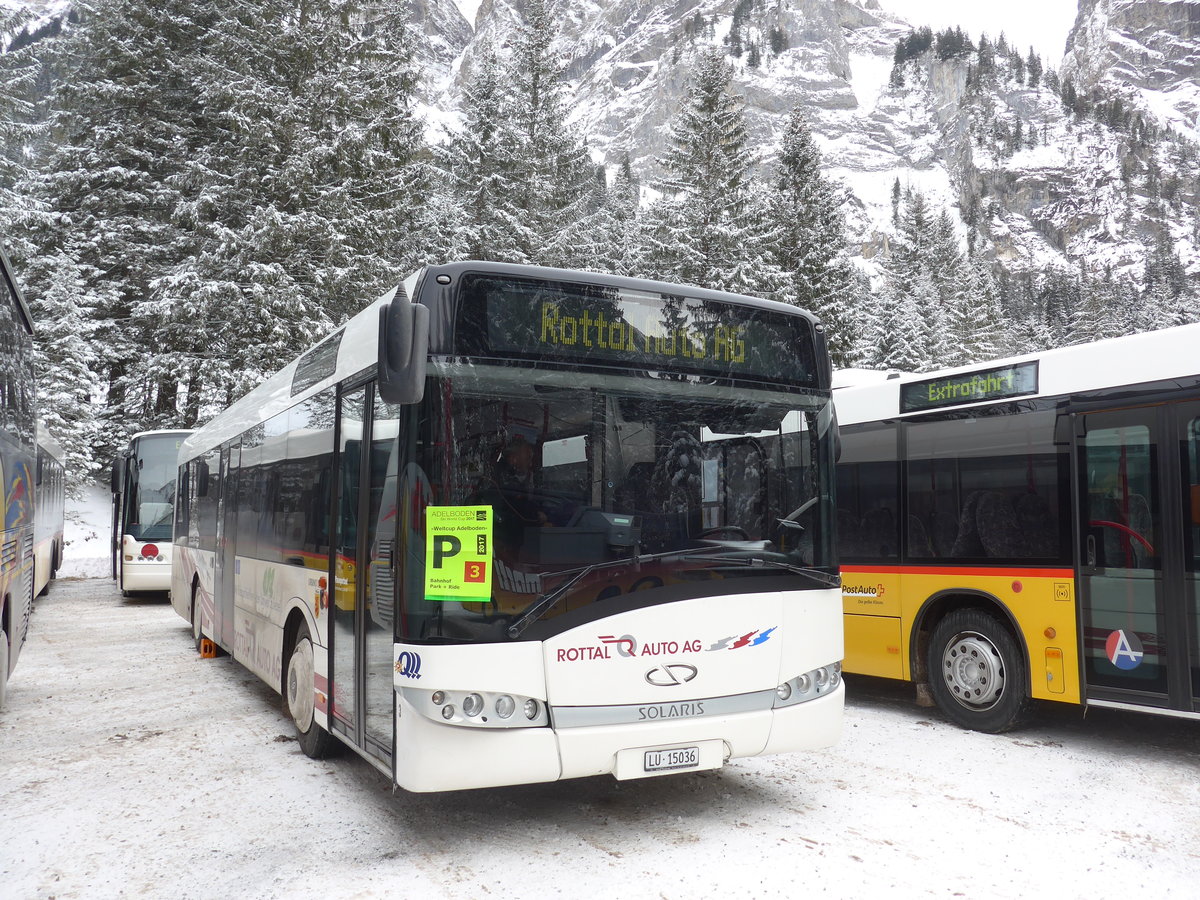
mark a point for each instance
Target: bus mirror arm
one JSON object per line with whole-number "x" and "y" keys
{"x": 403, "y": 350}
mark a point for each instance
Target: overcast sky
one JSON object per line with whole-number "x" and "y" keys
{"x": 1042, "y": 24}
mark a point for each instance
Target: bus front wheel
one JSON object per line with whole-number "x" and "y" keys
{"x": 976, "y": 672}
{"x": 298, "y": 692}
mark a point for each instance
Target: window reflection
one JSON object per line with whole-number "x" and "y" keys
{"x": 593, "y": 476}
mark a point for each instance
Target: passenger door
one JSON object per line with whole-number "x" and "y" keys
{"x": 226, "y": 556}
{"x": 364, "y": 595}
{"x": 1187, "y": 419}
{"x": 1134, "y": 551}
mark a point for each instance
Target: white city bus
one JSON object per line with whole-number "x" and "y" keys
{"x": 143, "y": 490}
{"x": 1028, "y": 529}
{"x": 528, "y": 525}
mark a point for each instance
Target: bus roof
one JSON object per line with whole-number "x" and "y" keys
{"x": 6, "y": 273}
{"x": 1133, "y": 359}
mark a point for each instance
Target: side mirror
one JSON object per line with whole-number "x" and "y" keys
{"x": 118, "y": 474}
{"x": 403, "y": 350}
{"x": 202, "y": 479}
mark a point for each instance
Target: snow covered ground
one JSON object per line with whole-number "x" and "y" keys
{"x": 133, "y": 768}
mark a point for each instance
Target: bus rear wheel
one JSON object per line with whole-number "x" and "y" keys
{"x": 976, "y": 672}
{"x": 197, "y": 630}
{"x": 298, "y": 692}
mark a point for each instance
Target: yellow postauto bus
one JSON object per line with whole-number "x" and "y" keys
{"x": 1027, "y": 529}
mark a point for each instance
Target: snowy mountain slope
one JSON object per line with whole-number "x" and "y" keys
{"x": 1146, "y": 50}
{"x": 1084, "y": 186}
{"x": 1040, "y": 181}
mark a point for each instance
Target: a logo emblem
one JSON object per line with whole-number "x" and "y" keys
{"x": 1124, "y": 650}
{"x": 408, "y": 664}
{"x": 671, "y": 675}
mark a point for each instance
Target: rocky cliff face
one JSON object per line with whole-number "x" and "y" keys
{"x": 1042, "y": 184}
{"x": 1144, "y": 50}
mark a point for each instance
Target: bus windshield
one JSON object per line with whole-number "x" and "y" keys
{"x": 151, "y": 487}
{"x": 607, "y": 487}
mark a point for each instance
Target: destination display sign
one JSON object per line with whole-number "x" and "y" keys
{"x": 602, "y": 325}
{"x": 969, "y": 387}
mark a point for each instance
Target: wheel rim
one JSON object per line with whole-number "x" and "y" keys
{"x": 196, "y": 632}
{"x": 300, "y": 685}
{"x": 973, "y": 670}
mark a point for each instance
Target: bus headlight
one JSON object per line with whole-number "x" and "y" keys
{"x": 484, "y": 709}
{"x": 812, "y": 684}
{"x": 505, "y": 706}
{"x": 472, "y": 705}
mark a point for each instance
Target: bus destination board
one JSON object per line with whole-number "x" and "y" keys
{"x": 1001, "y": 383}
{"x": 600, "y": 325}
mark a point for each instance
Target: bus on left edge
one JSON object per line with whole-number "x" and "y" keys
{"x": 18, "y": 461}
{"x": 143, "y": 490}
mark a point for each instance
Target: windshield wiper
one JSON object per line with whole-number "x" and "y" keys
{"x": 548, "y": 600}
{"x": 759, "y": 562}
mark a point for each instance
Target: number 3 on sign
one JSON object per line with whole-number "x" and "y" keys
{"x": 475, "y": 572}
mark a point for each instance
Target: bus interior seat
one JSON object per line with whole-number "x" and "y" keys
{"x": 999, "y": 530}
{"x": 1037, "y": 526}
{"x": 918, "y": 538}
{"x": 879, "y": 532}
{"x": 968, "y": 544}
{"x": 850, "y": 533}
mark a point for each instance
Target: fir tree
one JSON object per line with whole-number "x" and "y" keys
{"x": 480, "y": 169}
{"x": 810, "y": 239}
{"x": 124, "y": 119}
{"x": 64, "y": 356}
{"x": 710, "y": 229}
{"x": 552, "y": 174}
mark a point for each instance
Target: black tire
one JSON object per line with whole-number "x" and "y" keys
{"x": 3, "y": 668}
{"x": 197, "y": 632}
{"x": 977, "y": 673}
{"x": 298, "y": 690}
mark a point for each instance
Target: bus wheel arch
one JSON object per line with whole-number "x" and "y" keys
{"x": 968, "y": 650}
{"x": 4, "y": 652}
{"x": 297, "y": 685}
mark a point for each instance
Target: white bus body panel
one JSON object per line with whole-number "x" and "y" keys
{"x": 731, "y": 654}
{"x": 136, "y": 575}
{"x": 265, "y": 593}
